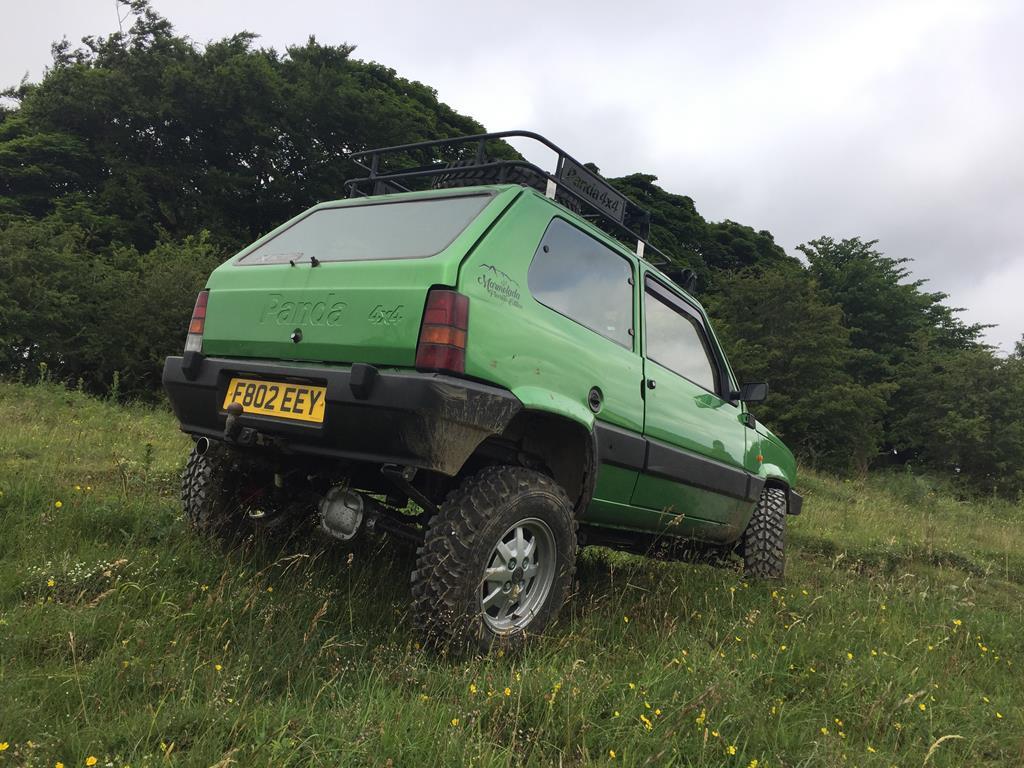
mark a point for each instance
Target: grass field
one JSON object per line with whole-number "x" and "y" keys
{"x": 895, "y": 639}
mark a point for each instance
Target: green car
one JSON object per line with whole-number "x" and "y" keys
{"x": 464, "y": 354}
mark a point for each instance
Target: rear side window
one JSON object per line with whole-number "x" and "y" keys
{"x": 411, "y": 229}
{"x": 675, "y": 340}
{"x": 585, "y": 280}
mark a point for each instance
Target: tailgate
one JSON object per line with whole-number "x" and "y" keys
{"x": 346, "y": 282}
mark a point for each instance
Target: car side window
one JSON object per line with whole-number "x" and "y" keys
{"x": 675, "y": 340}
{"x": 585, "y": 280}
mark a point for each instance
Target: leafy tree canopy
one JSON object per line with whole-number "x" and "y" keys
{"x": 141, "y": 160}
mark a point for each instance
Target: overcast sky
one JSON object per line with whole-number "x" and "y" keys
{"x": 901, "y": 121}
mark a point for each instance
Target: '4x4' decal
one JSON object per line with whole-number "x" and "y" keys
{"x": 381, "y": 316}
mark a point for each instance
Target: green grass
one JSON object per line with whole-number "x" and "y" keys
{"x": 895, "y": 635}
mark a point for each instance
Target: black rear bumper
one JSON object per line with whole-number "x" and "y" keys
{"x": 415, "y": 419}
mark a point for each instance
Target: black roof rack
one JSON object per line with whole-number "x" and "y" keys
{"x": 465, "y": 160}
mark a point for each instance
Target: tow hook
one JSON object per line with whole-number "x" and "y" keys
{"x": 232, "y": 427}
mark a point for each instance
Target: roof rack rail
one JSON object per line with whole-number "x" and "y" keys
{"x": 571, "y": 183}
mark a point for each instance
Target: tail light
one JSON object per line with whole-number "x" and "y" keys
{"x": 442, "y": 343}
{"x": 194, "y": 340}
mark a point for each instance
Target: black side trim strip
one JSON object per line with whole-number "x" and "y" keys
{"x": 682, "y": 466}
{"x": 620, "y": 447}
{"x": 623, "y": 448}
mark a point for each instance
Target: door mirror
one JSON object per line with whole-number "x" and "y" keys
{"x": 753, "y": 393}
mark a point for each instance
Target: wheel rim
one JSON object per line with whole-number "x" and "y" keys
{"x": 518, "y": 576}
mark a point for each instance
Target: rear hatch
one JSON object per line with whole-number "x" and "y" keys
{"x": 375, "y": 260}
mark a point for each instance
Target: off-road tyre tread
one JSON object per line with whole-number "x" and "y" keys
{"x": 204, "y": 495}
{"x": 444, "y": 561}
{"x": 764, "y": 541}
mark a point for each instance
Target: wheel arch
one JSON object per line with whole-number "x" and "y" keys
{"x": 794, "y": 501}
{"x": 555, "y": 443}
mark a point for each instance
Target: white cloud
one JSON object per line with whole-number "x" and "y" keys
{"x": 891, "y": 120}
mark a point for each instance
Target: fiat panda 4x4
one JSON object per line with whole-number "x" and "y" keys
{"x": 476, "y": 365}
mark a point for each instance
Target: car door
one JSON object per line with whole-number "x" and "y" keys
{"x": 587, "y": 339}
{"x": 696, "y": 472}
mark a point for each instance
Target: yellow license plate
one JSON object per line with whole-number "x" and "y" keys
{"x": 301, "y": 402}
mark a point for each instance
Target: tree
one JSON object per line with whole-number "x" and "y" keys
{"x": 778, "y": 328}
{"x": 168, "y": 139}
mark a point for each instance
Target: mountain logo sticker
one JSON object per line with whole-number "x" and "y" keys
{"x": 500, "y": 285}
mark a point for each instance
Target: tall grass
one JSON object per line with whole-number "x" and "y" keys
{"x": 895, "y": 639}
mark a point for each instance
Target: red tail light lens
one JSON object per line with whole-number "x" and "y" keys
{"x": 199, "y": 313}
{"x": 194, "y": 340}
{"x": 442, "y": 342}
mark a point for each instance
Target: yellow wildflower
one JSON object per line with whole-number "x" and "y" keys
{"x": 647, "y": 722}
{"x": 824, "y": 731}
{"x": 90, "y": 760}
{"x": 58, "y": 764}
{"x": 625, "y": 619}
{"x": 754, "y": 763}
{"x": 957, "y": 622}
{"x": 715, "y": 734}
{"x": 58, "y": 503}
{"x": 849, "y": 655}
{"x": 472, "y": 688}
{"x": 218, "y": 667}
{"x": 51, "y": 583}
{"x": 701, "y": 717}
{"x": 611, "y": 753}
{"x": 508, "y": 691}
{"x": 871, "y": 749}
{"x": 999, "y": 715}
{"x": 4, "y": 746}
{"x": 922, "y": 706}
{"x": 616, "y": 713}
{"x": 783, "y": 647}
{"x": 657, "y": 712}
{"x": 632, "y": 686}
{"x": 455, "y": 722}
{"x": 731, "y": 749}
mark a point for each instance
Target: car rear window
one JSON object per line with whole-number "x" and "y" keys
{"x": 408, "y": 229}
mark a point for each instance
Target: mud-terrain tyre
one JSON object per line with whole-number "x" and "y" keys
{"x": 212, "y": 499}
{"x": 497, "y": 561}
{"x": 764, "y": 540}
